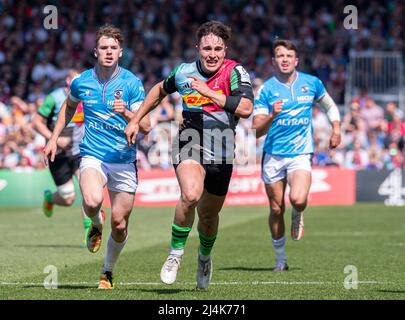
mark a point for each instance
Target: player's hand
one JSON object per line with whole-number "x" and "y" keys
{"x": 131, "y": 132}
{"x": 119, "y": 106}
{"x": 63, "y": 142}
{"x": 335, "y": 140}
{"x": 200, "y": 86}
{"x": 277, "y": 107}
{"x": 50, "y": 151}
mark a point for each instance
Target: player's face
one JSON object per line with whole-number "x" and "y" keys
{"x": 285, "y": 60}
{"x": 212, "y": 52}
{"x": 108, "y": 52}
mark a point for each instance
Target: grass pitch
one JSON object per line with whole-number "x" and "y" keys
{"x": 369, "y": 237}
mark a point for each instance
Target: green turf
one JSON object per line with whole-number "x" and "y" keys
{"x": 370, "y": 237}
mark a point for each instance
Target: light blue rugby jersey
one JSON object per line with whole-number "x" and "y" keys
{"x": 104, "y": 136}
{"x": 290, "y": 134}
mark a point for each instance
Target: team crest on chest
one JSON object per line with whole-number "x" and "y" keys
{"x": 304, "y": 89}
{"x": 118, "y": 93}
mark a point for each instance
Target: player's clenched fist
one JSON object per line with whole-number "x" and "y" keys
{"x": 277, "y": 107}
{"x": 119, "y": 106}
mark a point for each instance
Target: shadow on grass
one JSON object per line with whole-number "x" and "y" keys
{"x": 50, "y": 246}
{"x": 163, "y": 291}
{"x": 64, "y": 286}
{"x": 253, "y": 269}
{"x": 391, "y": 291}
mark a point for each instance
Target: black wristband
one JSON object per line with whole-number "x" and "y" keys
{"x": 231, "y": 103}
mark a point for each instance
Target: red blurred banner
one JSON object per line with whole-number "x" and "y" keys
{"x": 330, "y": 186}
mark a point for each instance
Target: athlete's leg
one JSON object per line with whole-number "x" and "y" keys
{"x": 62, "y": 175}
{"x": 121, "y": 207}
{"x": 275, "y": 193}
{"x": 300, "y": 183}
{"x": 190, "y": 175}
{"x": 86, "y": 219}
{"x": 92, "y": 184}
{"x": 122, "y": 185}
{"x": 208, "y": 210}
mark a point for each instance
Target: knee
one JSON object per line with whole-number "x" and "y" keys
{"x": 298, "y": 203}
{"x": 276, "y": 210}
{"x": 190, "y": 198}
{"x": 119, "y": 228}
{"x": 69, "y": 201}
{"x": 92, "y": 201}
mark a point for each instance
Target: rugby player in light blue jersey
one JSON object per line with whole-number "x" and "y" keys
{"x": 283, "y": 111}
{"x": 110, "y": 95}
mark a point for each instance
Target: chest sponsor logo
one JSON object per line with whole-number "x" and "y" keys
{"x": 293, "y": 122}
{"x": 193, "y": 100}
{"x": 305, "y": 98}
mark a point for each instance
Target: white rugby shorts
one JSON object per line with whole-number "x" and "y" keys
{"x": 120, "y": 177}
{"x": 276, "y": 168}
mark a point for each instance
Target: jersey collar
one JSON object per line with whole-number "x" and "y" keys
{"x": 286, "y": 84}
{"x": 202, "y": 72}
{"x": 95, "y": 76}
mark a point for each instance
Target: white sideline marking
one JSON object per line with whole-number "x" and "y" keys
{"x": 224, "y": 283}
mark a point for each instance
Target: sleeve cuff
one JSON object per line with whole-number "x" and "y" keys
{"x": 258, "y": 111}
{"x": 135, "y": 106}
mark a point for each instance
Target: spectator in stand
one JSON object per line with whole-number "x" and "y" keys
{"x": 362, "y": 99}
{"x": 372, "y": 115}
{"x": 356, "y": 158}
{"x": 393, "y": 157}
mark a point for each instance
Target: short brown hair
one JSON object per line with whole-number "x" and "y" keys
{"x": 215, "y": 27}
{"x": 285, "y": 43}
{"x": 110, "y": 31}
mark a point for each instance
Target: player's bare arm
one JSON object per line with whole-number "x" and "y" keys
{"x": 152, "y": 100}
{"x": 65, "y": 115}
{"x": 262, "y": 122}
{"x": 41, "y": 127}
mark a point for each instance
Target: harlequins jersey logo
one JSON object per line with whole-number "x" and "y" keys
{"x": 118, "y": 93}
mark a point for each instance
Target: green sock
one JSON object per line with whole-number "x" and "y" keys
{"x": 48, "y": 196}
{"x": 86, "y": 223}
{"x": 206, "y": 243}
{"x": 179, "y": 236}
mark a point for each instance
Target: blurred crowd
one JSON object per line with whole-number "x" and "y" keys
{"x": 159, "y": 35}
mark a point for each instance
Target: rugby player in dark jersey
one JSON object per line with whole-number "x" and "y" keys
{"x": 216, "y": 92}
